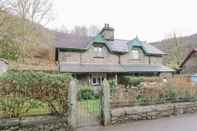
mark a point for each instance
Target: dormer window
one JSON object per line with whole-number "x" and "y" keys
{"x": 135, "y": 55}
{"x": 98, "y": 52}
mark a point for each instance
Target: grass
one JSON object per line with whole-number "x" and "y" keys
{"x": 92, "y": 106}
{"x": 40, "y": 110}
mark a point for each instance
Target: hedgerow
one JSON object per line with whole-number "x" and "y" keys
{"x": 20, "y": 91}
{"x": 129, "y": 81}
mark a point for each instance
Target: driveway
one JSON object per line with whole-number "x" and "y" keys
{"x": 180, "y": 123}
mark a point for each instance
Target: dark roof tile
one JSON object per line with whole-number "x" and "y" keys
{"x": 70, "y": 41}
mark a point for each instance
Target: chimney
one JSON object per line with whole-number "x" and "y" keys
{"x": 107, "y": 32}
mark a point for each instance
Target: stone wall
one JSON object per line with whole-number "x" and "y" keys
{"x": 121, "y": 115}
{"x": 39, "y": 123}
{"x": 88, "y": 57}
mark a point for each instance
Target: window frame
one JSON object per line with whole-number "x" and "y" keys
{"x": 97, "y": 79}
{"x": 134, "y": 53}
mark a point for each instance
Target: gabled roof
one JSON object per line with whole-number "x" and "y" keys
{"x": 147, "y": 48}
{"x": 69, "y": 41}
{"x": 99, "y": 39}
{"x": 188, "y": 57}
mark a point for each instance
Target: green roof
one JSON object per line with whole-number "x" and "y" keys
{"x": 135, "y": 43}
{"x": 147, "y": 48}
{"x": 99, "y": 39}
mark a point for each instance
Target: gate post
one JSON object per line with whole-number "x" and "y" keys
{"x": 72, "y": 104}
{"x": 105, "y": 103}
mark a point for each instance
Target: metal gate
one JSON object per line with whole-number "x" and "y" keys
{"x": 88, "y": 107}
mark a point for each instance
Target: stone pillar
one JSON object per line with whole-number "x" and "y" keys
{"x": 72, "y": 104}
{"x": 105, "y": 103}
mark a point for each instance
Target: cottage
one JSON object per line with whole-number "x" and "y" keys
{"x": 189, "y": 65}
{"x": 92, "y": 59}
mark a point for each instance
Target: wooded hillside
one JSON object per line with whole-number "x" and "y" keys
{"x": 177, "y": 48}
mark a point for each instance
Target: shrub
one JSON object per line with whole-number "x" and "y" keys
{"x": 9, "y": 50}
{"x": 87, "y": 93}
{"x": 141, "y": 100}
{"x": 15, "y": 107}
{"x": 23, "y": 90}
{"x": 113, "y": 86}
{"x": 171, "y": 93}
{"x": 129, "y": 81}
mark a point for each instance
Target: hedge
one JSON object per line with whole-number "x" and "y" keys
{"x": 129, "y": 81}
{"x": 23, "y": 90}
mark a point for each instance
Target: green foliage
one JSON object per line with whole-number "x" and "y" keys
{"x": 87, "y": 93}
{"x": 172, "y": 93}
{"x": 113, "y": 85}
{"x": 15, "y": 107}
{"x": 129, "y": 81}
{"x": 25, "y": 90}
{"x": 141, "y": 100}
{"x": 9, "y": 50}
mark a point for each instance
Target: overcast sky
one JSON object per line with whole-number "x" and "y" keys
{"x": 151, "y": 20}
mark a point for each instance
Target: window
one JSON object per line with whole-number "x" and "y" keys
{"x": 135, "y": 54}
{"x": 96, "y": 81}
{"x": 98, "y": 52}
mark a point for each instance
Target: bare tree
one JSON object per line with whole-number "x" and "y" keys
{"x": 37, "y": 11}
{"x": 176, "y": 52}
{"x": 3, "y": 15}
{"x": 63, "y": 29}
{"x": 85, "y": 31}
{"x": 80, "y": 31}
{"x": 93, "y": 30}
{"x": 31, "y": 13}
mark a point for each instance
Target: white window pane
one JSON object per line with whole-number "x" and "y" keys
{"x": 98, "y": 51}
{"x": 135, "y": 54}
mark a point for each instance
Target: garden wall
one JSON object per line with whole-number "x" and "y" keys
{"x": 36, "y": 101}
{"x": 121, "y": 115}
{"x": 36, "y": 123}
{"x": 151, "y": 98}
